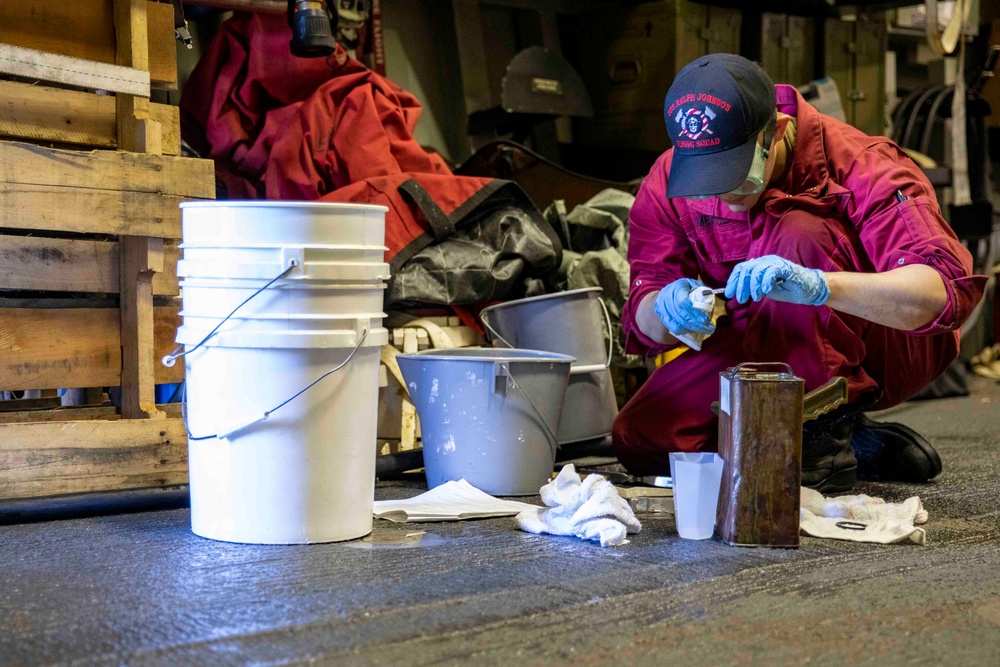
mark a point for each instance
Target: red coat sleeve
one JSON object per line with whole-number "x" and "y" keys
{"x": 658, "y": 253}
{"x": 897, "y": 233}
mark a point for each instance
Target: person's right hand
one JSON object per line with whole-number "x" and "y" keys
{"x": 678, "y": 313}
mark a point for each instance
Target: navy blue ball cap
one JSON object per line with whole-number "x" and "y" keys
{"x": 714, "y": 111}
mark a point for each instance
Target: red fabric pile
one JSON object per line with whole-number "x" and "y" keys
{"x": 281, "y": 127}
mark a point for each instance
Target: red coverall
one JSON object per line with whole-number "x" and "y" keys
{"x": 836, "y": 210}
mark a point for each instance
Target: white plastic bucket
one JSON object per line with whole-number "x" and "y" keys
{"x": 282, "y": 382}
{"x": 281, "y": 223}
{"x": 307, "y": 473}
{"x": 207, "y": 298}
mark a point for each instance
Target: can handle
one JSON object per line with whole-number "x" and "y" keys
{"x": 757, "y": 365}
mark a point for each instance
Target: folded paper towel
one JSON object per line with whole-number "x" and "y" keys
{"x": 452, "y": 501}
{"x": 590, "y": 509}
{"x": 862, "y": 518}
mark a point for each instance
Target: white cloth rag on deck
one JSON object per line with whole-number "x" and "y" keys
{"x": 862, "y": 518}
{"x": 590, "y": 509}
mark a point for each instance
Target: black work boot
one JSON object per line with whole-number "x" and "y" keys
{"x": 828, "y": 463}
{"x": 888, "y": 451}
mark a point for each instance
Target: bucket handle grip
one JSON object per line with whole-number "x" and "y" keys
{"x": 234, "y": 426}
{"x": 484, "y": 316}
{"x": 502, "y": 370}
{"x": 171, "y": 359}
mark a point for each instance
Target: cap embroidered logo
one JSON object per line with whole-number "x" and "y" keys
{"x": 694, "y": 122}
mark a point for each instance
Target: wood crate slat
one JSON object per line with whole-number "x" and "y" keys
{"x": 86, "y": 30}
{"x": 105, "y": 412}
{"x": 42, "y": 348}
{"x": 162, "y": 45}
{"x": 32, "y": 64}
{"x": 74, "y": 265}
{"x": 114, "y": 171}
{"x": 90, "y": 211}
{"x": 55, "y": 458}
{"x": 63, "y": 116}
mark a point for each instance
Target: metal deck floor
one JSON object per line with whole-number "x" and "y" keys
{"x": 141, "y": 589}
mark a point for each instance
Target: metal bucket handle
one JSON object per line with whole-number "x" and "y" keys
{"x": 483, "y": 315}
{"x": 501, "y": 369}
{"x": 235, "y": 426}
{"x": 171, "y": 359}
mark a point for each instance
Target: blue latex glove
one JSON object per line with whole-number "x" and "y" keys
{"x": 677, "y": 312}
{"x": 777, "y": 278}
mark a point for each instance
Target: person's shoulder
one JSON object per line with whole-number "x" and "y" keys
{"x": 846, "y": 145}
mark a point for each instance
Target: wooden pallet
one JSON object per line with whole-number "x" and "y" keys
{"x": 96, "y": 232}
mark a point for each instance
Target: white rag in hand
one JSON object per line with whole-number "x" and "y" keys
{"x": 590, "y": 510}
{"x": 862, "y": 518}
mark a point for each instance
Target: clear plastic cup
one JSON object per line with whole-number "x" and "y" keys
{"x": 697, "y": 478}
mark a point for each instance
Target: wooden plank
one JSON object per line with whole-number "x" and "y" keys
{"x": 86, "y": 30}
{"x": 32, "y": 64}
{"x": 41, "y": 113}
{"x": 56, "y": 458}
{"x": 132, "y": 51}
{"x": 107, "y": 192}
{"x": 76, "y": 29}
{"x": 73, "y": 265}
{"x": 162, "y": 45}
{"x": 116, "y": 171}
{"x": 41, "y": 348}
{"x": 105, "y": 412}
{"x": 89, "y": 211}
{"x": 141, "y": 257}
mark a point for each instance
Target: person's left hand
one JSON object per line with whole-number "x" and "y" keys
{"x": 779, "y": 279}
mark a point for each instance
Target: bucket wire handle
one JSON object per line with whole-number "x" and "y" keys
{"x": 493, "y": 332}
{"x": 553, "y": 443}
{"x": 611, "y": 330}
{"x": 244, "y": 422}
{"x": 607, "y": 318}
{"x": 170, "y": 359}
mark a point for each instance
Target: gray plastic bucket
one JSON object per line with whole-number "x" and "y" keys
{"x": 488, "y": 415}
{"x": 573, "y": 322}
{"x": 590, "y": 407}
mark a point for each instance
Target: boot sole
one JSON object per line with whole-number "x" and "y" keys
{"x": 843, "y": 480}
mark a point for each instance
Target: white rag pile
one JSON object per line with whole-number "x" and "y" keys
{"x": 862, "y": 518}
{"x": 590, "y": 509}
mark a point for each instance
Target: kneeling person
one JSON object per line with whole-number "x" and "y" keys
{"x": 834, "y": 258}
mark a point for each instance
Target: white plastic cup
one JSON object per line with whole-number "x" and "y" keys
{"x": 697, "y": 478}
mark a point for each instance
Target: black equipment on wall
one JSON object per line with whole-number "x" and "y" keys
{"x": 313, "y": 26}
{"x": 538, "y": 85}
